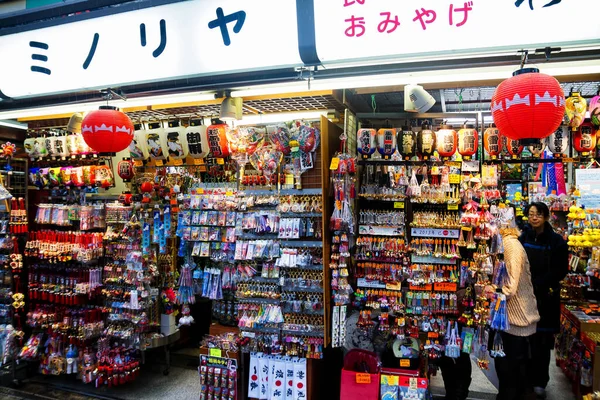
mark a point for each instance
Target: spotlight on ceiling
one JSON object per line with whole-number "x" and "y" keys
{"x": 231, "y": 108}
{"x": 416, "y": 99}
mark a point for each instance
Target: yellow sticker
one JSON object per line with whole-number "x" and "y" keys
{"x": 568, "y": 159}
{"x": 138, "y": 163}
{"x": 454, "y": 178}
{"x": 335, "y": 162}
{"x": 200, "y": 191}
{"x": 215, "y": 352}
{"x": 178, "y": 161}
{"x": 435, "y": 170}
{"x": 405, "y": 363}
{"x": 398, "y": 204}
{"x": 229, "y": 193}
{"x": 452, "y": 207}
{"x": 198, "y": 161}
{"x": 220, "y": 161}
{"x": 158, "y": 163}
{"x": 363, "y": 378}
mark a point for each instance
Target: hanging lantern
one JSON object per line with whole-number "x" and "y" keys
{"x": 386, "y": 142}
{"x": 155, "y": 141}
{"x": 425, "y": 141}
{"x": 30, "y": 147}
{"x": 514, "y": 148}
{"x": 197, "y": 139}
{"x": 492, "y": 141}
{"x": 537, "y": 148}
{"x": 584, "y": 139}
{"x": 407, "y": 143}
{"x": 137, "y": 147}
{"x": 146, "y": 187}
{"x": 595, "y": 110}
{"x": 447, "y": 142}
{"x": 365, "y": 142}
{"x": 125, "y": 169}
{"x": 40, "y": 147}
{"x": 468, "y": 140}
{"x": 558, "y": 142}
{"x": 176, "y": 141}
{"x": 529, "y": 105}
{"x": 74, "y": 125}
{"x": 575, "y": 109}
{"x": 59, "y": 146}
{"x": 217, "y": 140}
{"x": 107, "y": 130}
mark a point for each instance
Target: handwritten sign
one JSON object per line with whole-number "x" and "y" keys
{"x": 363, "y": 378}
{"x": 335, "y": 162}
{"x": 452, "y": 207}
{"x": 445, "y": 286}
{"x": 398, "y": 204}
{"x": 215, "y": 352}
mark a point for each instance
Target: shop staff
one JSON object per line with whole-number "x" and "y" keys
{"x": 548, "y": 255}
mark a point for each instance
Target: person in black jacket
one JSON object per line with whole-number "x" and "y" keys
{"x": 548, "y": 255}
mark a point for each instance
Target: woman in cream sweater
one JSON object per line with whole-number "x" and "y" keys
{"x": 512, "y": 370}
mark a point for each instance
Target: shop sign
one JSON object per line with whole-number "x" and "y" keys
{"x": 183, "y": 39}
{"x": 588, "y": 183}
{"x": 435, "y": 233}
{"x": 392, "y": 29}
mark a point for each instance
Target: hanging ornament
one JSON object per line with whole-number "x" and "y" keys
{"x": 365, "y": 142}
{"x": 529, "y": 105}
{"x": 217, "y": 139}
{"x": 514, "y": 147}
{"x": 30, "y": 147}
{"x": 125, "y": 169}
{"x": 558, "y": 142}
{"x": 407, "y": 143}
{"x": 575, "y": 109}
{"x": 177, "y": 146}
{"x": 107, "y": 130}
{"x": 386, "y": 142}
{"x": 137, "y": 147}
{"x": 492, "y": 141}
{"x": 595, "y": 110}
{"x": 425, "y": 141}
{"x": 197, "y": 139}
{"x": 537, "y": 148}
{"x": 447, "y": 142}
{"x": 155, "y": 142}
{"x": 468, "y": 140}
{"x": 584, "y": 138}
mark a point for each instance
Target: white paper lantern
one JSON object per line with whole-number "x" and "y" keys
{"x": 155, "y": 141}
{"x": 177, "y": 146}
{"x": 558, "y": 142}
{"x": 197, "y": 139}
{"x": 137, "y": 147}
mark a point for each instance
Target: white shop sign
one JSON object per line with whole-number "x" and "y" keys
{"x": 352, "y": 30}
{"x": 588, "y": 183}
{"x": 152, "y": 44}
{"x": 435, "y": 233}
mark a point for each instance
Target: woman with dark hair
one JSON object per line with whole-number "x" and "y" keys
{"x": 548, "y": 255}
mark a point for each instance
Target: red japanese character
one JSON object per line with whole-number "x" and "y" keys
{"x": 429, "y": 13}
{"x": 351, "y": 2}
{"x": 467, "y": 6}
{"x": 383, "y": 25}
{"x": 356, "y": 28}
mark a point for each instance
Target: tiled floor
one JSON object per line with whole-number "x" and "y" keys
{"x": 183, "y": 384}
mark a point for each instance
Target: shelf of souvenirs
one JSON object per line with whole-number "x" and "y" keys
{"x": 381, "y": 161}
{"x": 537, "y": 160}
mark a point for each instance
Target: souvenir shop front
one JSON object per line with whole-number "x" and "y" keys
{"x": 309, "y": 232}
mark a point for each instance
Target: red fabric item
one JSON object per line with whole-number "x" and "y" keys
{"x": 350, "y": 390}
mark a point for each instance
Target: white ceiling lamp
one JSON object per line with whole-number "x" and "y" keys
{"x": 417, "y": 99}
{"x": 231, "y": 108}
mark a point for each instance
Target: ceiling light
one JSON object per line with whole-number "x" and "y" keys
{"x": 231, "y": 109}
{"x": 13, "y": 124}
{"x": 417, "y": 99}
{"x": 272, "y": 118}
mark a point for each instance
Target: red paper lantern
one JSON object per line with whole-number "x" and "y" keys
{"x": 125, "y": 169}
{"x": 529, "y": 105}
{"x": 514, "y": 148}
{"x": 365, "y": 142}
{"x": 107, "y": 130}
{"x": 447, "y": 141}
{"x": 147, "y": 187}
{"x": 425, "y": 141}
{"x": 386, "y": 142}
{"x": 468, "y": 140}
{"x": 492, "y": 141}
{"x": 217, "y": 140}
{"x": 584, "y": 138}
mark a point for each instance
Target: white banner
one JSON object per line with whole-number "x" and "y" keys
{"x": 352, "y": 30}
{"x": 184, "y": 39}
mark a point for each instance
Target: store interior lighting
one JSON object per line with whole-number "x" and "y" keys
{"x": 12, "y": 124}
{"x": 231, "y": 109}
{"x": 262, "y": 119}
{"x": 417, "y": 99}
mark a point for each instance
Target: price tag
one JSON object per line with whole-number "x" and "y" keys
{"x": 452, "y": 207}
{"x": 215, "y": 352}
{"x": 198, "y": 161}
{"x": 363, "y": 378}
{"x": 178, "y": 161}
{"x": 435, "y": 170}
{"x": 454, "y": 178}
{"x": 412, "y": 383}
{"x": 220, "y": 161}
{"x": 433, "y": 335}
{"x": 229, "y": 193}
{"x": 138, "y": 163}
{"x": 159, "y": 163}
{"x": 568, "y": 159}
{"x": 519, "y": 212}
{"x": 405, "y": 363}
{"x": 398, "y": 204}
{"x": 445, "y": 287}
{"x": 335, "y": 162}
{"x": 393, "y": 286}
{"x": 467, "y": 228}
{"x": 199, "y": 191}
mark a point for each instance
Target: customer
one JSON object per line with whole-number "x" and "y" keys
{"x": 548, "y": 255}
{"x": 512, "y": 369}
